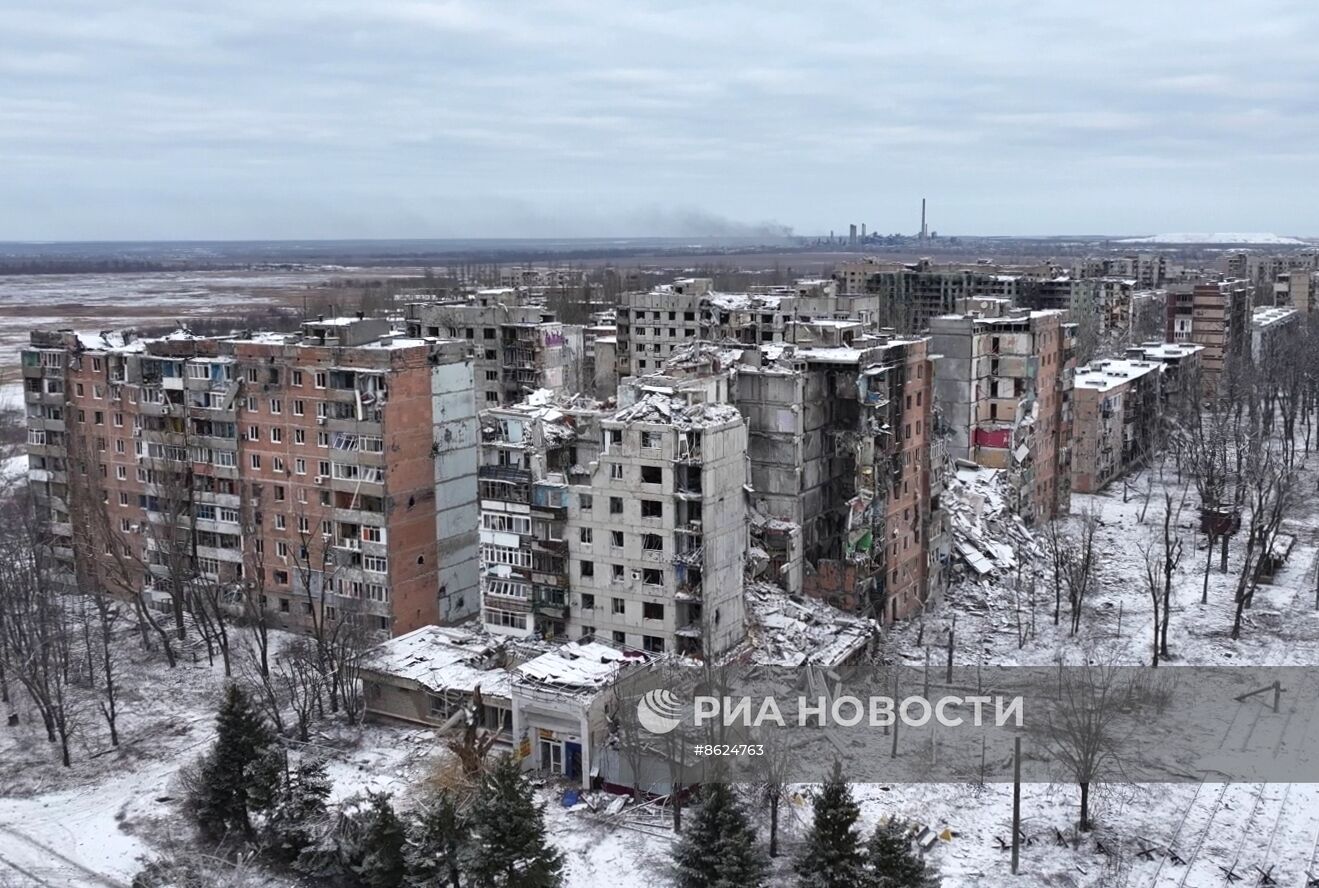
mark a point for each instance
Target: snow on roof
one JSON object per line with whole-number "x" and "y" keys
{"x": 755, "y": 301}
{"x": 1158, "y": 351}
{"x": 658, "y": 407}
{"x": 1106, "y": 375}
{"x": 110, "y": 340}
{"x": 1267, "y": 316}
{"x": 444, "y": 658}
{"x": 578, "y": 666}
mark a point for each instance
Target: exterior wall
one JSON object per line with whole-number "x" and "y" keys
{"x": 696, "y": 593}
{"x": 312, "y": 483}
{"x": 517, "y": 344}
{"x": 455, "y": 439}
{"x": 1004, "y": 384}
{"x": 1113, "y": 426}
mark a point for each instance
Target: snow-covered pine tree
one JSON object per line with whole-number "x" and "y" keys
{"x": 833, "y": 856}
{"x": 718, "y": 847}
{"x": 508, "y": 847}
{"x": 381, "y": 845}
{"x": 437, "y": 836}
{"x": 892, "y": 863}
{"x": 229, "y": 776}
{"x": 299, "y": 813}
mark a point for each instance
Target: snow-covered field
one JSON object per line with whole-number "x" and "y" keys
{"x": 1217, "y": 238}
{"x": 105, "y": 301}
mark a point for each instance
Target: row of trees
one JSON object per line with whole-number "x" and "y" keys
{"x": 720, "y": 848}
{"x": 248, "y": 801}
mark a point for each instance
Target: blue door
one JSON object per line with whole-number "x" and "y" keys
{"x": 572, "y": 765}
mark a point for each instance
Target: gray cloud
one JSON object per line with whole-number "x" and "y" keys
{"x": 330, "y": 118}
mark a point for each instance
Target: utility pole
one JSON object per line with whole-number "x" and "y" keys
{"x": 1016, "y": 803}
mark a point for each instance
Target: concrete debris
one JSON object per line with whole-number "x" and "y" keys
{"x": 987, "y": 536}
{"x": 789, "y": 632}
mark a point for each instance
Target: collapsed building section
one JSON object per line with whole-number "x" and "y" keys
{"x": 840, "y": 470}
{"x": 1003, "y": 385}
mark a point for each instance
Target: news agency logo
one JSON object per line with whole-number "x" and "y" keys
{"x": 660, "y": 711}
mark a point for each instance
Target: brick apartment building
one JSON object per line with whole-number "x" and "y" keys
{"x": 1003, "y": 388}
{"x": 1214, "y": 314}
{"x": 318, "y": 473}
{"x": 1117, "y": 409}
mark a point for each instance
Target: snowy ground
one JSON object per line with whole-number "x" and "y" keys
{"x": 89, "y": 825}
{"x": 105, "y": 301}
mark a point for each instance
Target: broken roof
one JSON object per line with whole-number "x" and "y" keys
{"x": 578, "y": 666}
{"x": 664, "y": 409}
{"x": 444, "y": 658}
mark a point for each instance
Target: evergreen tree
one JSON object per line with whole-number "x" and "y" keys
{"x": 508, "y": 848}
{"x": 718, "y": 848}
{"x": 892, "y": 863}
{"x": 299, "y": 812}
{"x": 232, "y": 779}
{"x": 437, "y": 836}
{"x": 382, "y": 839}
{"x": 833, "y": 857}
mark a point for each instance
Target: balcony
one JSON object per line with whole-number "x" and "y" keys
{"x": 510, "y": 474}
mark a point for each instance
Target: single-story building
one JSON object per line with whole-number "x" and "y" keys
{"x": 429, "y": 676}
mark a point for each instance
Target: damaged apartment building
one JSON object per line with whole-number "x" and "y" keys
{"x": 315, "y": 474}
{"x": 654, "y": 324}
{"x": 529, "y": 454}
{"x": 628, "y": 524}
{"x": 518, "y": 345}
{"x": 844, "y": 505}
{"x": 839, "y": 453}
{"x": 1003, "y": 388}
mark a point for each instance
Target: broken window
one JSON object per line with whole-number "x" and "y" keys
{"x": 652, "y": 542}
{"x": 652, "y": 576}
{"x": 651, "y": 474}
{"x": 652, "y": 509}
{"x": 652, "y": 611}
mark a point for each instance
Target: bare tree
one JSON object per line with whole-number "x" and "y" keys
{"x": 1270, "y": 494}
{"x": 475, "y": 741}
{"x": 297, "y": 673}
{"x": 1079, "y": 565}
{"x": 38, "y": 624}
{"x": 1084, "y": 730}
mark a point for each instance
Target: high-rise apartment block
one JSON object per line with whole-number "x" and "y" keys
{"x": 529, "y": 454}
{"x": 311, "y": 474}
{"x": 518, "y": 345}
{"x": 1117, "y": 410}
{"x": 654, "y": 324}
{"x": 627, "y": 524}
{"x": 657, "y": 533}
{"x": 1214, "y": 314}
{"x": 1003, "y": 386}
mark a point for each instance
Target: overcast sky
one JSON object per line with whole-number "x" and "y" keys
{"x": 499, "y": 118}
